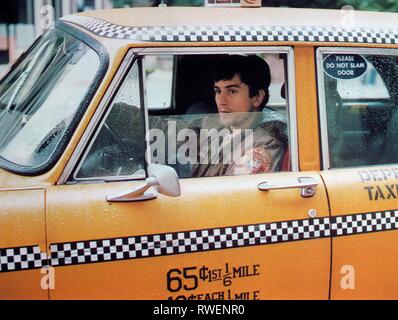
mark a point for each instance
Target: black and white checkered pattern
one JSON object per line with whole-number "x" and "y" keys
{"x": 235, "y": 33}
{"x": 364, "y": 223}
{"x": 24, "y": 258}
{"x": 136, "y": 247}
{"x": 186, "y": 242}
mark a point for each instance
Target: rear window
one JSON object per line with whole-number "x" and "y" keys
{"x": 358, "y": 99}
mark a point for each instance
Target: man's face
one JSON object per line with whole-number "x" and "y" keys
{"x": 232, "y": 96}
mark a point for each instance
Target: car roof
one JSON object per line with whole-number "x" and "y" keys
{"x": 185, "y": 24}
{"x": 202, "y": 16}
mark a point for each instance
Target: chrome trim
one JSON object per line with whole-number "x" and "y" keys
{"x": 95, "y": 119}
{"x": 322, "y": 111}
{"x": 211, "y": 50}
{"x": 146, "y": 113}
{"x": 21, "y": 189}
{"x": 132, "y": 198}
{"x": 306, "y": 184}
{"x": 140, "y": 193}
{"x": 291, "y": 105}
{"x": 321, "y": 90}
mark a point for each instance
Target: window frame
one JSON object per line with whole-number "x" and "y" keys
{"x": 71, "y": 169}
{"x": 290, "y": 79}
{"x": 324, "y": 133}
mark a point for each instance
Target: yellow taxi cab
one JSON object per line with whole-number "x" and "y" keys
{"x": 90, "y": 211}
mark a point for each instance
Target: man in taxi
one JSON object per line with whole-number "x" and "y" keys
{"x": 241, "y": 85}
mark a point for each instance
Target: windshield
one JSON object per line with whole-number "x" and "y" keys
{"x": 40, "y": 97}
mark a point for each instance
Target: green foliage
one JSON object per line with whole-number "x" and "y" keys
{"x": 137, "y": 3}
{"x": 122, "y": 3}
{"x": 187, "y": 3}
{"x": 368, "y": 5}
{"x": 374, "y": 5}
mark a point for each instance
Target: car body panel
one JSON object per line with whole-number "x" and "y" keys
{"x": 372, "y": 256}
{"x": 22, "y": 223}
{"x": 307, "y": 111}
{"x": 203, "y": 207}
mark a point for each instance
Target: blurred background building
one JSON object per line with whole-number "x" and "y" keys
{"x": 21, "y": 21}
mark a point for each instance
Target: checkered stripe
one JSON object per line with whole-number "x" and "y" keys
{"x": 136, "y": 247}
{"x": 187, "y": 242}
{"x": 364, "y": 223}
{"x": 24, "y": 258}
{"x": 235, "y": 33}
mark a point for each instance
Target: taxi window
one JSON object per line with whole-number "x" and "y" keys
{"x": 118, "y": 148}
{"x": 229, "y": 115}
{"x": 159, "y": 81}
{"x": 40, "y": 97}
{"x": 190, "y": 126}
{"x": 358, "y": 99}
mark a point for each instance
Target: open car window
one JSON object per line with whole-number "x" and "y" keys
{"x": 198, "y": 140}
{"x": 185, "y": 127}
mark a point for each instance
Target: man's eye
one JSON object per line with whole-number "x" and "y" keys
{"x": 217, "y": 91}
{"x": 232, "y": 91}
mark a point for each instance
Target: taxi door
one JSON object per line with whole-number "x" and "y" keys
{"x": 23, "y": 245}
{"x": 364, "y": 226}
{"x": 222, "y": 238}
{"x": 260, "y": 236}
{"x": 359, "y": 124}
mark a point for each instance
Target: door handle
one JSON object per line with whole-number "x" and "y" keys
{"x": 306, "y": 184}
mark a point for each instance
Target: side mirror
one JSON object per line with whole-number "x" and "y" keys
{"x": 166, "y": 179}
{"x": 163, "y": 177}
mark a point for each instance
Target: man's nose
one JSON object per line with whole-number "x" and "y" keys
{"x": 221, "y": 98}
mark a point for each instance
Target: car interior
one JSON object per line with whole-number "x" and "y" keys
{"x": 193, "y": 94}
{"x": 183, "y": 86}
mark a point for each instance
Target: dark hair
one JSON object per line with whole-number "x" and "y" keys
{"x": 253, "y": 71}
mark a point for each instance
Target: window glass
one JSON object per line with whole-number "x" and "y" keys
{"x": 229, "y": 115}
{"x": 277, "y": 98}
{"x": 361, "y": 93}
{"x": 369, "y": 86}
{"x": 118, "y": 149}
{"x": 40, "y": 97}
{"x": 159, "y": 81}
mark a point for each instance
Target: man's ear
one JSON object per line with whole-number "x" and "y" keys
{"x": 258, "y": 99}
